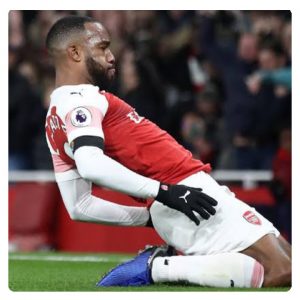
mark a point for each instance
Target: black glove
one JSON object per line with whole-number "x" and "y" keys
{"x": 186, "y": 200}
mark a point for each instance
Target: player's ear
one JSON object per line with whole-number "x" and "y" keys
{"x": 75, "y": 52}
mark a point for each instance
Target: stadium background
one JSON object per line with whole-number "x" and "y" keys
{"x": 218, "y": 81}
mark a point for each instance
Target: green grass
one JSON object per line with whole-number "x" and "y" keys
{"x": 59, "y": 272}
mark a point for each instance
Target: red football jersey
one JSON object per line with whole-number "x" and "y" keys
{"x": 130, "y": 139}
{"x": 143, "y": 147}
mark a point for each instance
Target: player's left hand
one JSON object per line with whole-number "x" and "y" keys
{"x": 187, "y": 200}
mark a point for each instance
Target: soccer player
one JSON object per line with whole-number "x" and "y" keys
{"x": 95, "y": 137}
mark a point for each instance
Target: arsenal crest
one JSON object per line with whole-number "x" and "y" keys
{"x": 251, "y": 217}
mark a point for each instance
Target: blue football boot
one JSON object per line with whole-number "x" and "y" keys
{"x": 137, "y": 271}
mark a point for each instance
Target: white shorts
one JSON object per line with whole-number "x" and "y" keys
{"x": 233, "y": 228}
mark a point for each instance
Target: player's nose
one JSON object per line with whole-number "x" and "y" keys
{"x": 110, "y": 57}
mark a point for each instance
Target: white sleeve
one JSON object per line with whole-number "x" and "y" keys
{"x": 84, "y": 112}
{"x": 93, "y": 165}
{"x": 83, "y": 206}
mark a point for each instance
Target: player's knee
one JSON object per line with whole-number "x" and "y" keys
{"x": 288, "y": 275}
{"x": 285, "y": 276}
{"x": 279, "y": 277}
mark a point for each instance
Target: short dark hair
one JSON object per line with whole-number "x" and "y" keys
{"x": 64, "y": 28}
{"x": 273, "y": 45}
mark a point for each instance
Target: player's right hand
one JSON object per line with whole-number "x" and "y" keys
{"x": 186, "y": 200}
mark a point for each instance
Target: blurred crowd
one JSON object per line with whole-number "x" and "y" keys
{"x": 218, "y": 81}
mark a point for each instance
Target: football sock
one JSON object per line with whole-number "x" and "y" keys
{"x": 219, "y": 270}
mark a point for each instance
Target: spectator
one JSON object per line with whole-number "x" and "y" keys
{"x": 235, "y": 62}
{"x": 200, "y": 127}
{"x": 248, "y": 122}
{"x": 273, "y": 70}
{"x": 24, "y": 112}
{"x": 40, "y": 152}
{"x": 271, "y": 85}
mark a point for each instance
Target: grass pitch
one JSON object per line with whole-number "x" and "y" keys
{"x": 54, "y": 271}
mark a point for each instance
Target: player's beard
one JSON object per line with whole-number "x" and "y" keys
{"x": 98, "y": 75}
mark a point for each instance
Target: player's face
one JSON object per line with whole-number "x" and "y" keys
{"x": 100, "y": 62}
